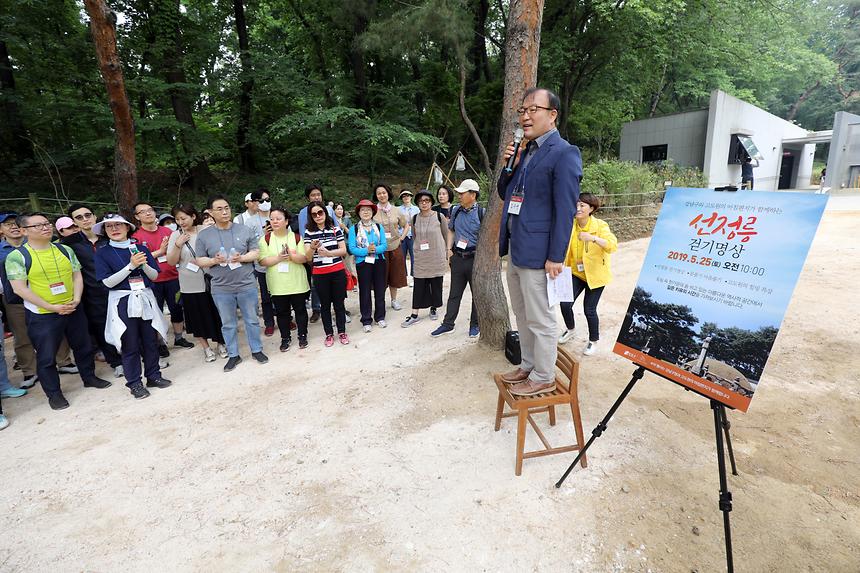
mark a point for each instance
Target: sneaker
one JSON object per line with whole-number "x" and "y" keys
{"x": 344, "y": 338}
{"x": 409, "y": 321}
{"x": 260, "y": 357}
{"x": 590, "y": 348}
{"x": 367, "y": 328}
{"x": 433, "y": 314}
{"x": 232, "y": 362}
{"x": 97, "y": 383}
{"x": 162, "y": 363}
{"x": 69, "y": 368}
{"x": 158, "y": 383}
{"x": 329, "y": 340}
{"x": 269, "y": 331}
{"x": 285, "y": 344}
{"x": 442, "y": 330}
{"x": 118, "y": 372}
{"x": 396, "y": 305}
{"x": 29, "y": 381}
{"x": 315, "y": 316}
{"x": 382, "y": 323}
{"x": 163, "y": 352}
{"x": 12, "y": 392}
{"x": 565, "y": 336}
{"x": 209, "y": 355}
{"x": 138, "y": 391}
{"x": 303, "y": 342}
{"x": 183, "y": 343}
{"x": 4, "y": 422}
{"x": 474, "y": 332}
{"x": 58, "y": 401}
{"x": 222, "y": 351}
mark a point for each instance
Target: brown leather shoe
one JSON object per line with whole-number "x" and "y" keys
{"x": 530, "y": 388}
{"x": 515, "y": 376}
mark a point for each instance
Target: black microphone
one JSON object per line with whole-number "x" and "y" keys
{"x": 518, "y": 138}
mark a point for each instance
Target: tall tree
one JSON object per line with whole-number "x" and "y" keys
{"x": 246, "y": 151}
{"x": 18, "y": 141}
{"x": 522, "y": 46}
{"x": 103, "y": 27}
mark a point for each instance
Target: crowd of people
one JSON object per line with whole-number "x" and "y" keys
{"x": 97, "y": 289}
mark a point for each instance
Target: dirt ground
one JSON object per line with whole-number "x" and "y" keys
{"x": 381, "y": 456}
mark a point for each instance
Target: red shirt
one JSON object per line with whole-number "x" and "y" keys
{"x": 152, "y": 241}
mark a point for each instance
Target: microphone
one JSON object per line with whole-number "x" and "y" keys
{"x": 518, "y": 138}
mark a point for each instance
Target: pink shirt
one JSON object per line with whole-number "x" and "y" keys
{"x": 152, "y": 241}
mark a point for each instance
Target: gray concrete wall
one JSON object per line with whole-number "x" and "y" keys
{"x": 844, "y": 150}
{"x": 683, "y": 133}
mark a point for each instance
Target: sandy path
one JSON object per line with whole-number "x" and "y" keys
{"x": 382, "y": 456}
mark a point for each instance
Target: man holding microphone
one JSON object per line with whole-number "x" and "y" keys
{"x": 540, "y": 194}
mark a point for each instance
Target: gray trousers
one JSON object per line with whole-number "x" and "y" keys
{"x": 536, "y": 322}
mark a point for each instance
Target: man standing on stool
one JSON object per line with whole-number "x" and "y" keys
{"x": 540, "y": 204}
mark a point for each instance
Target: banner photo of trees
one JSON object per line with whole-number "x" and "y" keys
{"x": 718, "y": 276}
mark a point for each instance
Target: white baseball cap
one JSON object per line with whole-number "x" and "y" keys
{"x": 468, "y": 185}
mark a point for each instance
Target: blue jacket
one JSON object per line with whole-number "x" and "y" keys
{"x": 541, "y": 232}
{"x": 376, "y": 237}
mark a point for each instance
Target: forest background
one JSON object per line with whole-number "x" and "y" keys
{"x": 228, "y": 96}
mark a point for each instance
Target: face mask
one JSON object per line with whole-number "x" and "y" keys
{"x": 265, "y": 206}
{"x": 171, "y": 226}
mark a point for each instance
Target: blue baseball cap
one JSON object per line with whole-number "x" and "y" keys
{"x": 7, "y": 215}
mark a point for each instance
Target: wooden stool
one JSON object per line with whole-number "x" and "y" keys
{"x": 524, "y": 406}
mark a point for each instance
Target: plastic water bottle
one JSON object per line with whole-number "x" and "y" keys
{"x": 222, "y": 251}
{"x": 232, "y": 253}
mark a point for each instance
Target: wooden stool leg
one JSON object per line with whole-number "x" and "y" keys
{"x": 577, "y": 426}
{"x": 500, "y": 408}
{"x": 521, "y": 438}
{"x": 552, "y": 415}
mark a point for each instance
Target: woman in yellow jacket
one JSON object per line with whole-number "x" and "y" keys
{"x": 588, "y": 256}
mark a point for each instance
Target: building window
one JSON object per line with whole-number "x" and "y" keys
{"x": 652, "y": 153}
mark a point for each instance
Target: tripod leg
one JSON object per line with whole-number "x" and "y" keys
{"x": 597, "y": 431}
{"x": 725, "y": 494}
{"x": 726, "y": 427}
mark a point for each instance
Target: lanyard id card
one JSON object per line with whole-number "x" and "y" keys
{"x": 370, "y": 259}
{"x": 462, "y": 244}
{"x": 516, "y": 202}
{"x": 425, "y": 246}
{"x": 162, "y": 259}
{"x": 283, "y": 267}
{"x": 58, "y": 288}
{"x": 192, "y": 267}
{"x": 136, "y": 283}
{"x": 580, "y": 267}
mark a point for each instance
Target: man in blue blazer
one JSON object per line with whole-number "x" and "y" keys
{"x": 540, "y": 204}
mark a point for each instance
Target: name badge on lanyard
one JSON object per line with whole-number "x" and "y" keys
{"x": 516, "y": 202}
{"x": 283, "y": 267}
{"x": 425, "y": 246}
{"x": 58, "y": 288}
{"x": 192, "y": 267}
{"x": 136, "y": 283}
{"x": 370, "y": 259}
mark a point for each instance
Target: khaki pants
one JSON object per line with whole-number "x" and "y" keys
{"x": 24, "y": 352}
{"x": 536, "y": 322}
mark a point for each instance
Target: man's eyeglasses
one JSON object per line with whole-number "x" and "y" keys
{"x": 316, "y": 213}
{"x": 145, "y": 212}
{"x": 38, "y": 226}
{"x": 532, "y": 109}
{"x": 83, "y": 217}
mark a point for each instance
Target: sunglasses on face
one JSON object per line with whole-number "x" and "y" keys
{"x": 315, "y": 213}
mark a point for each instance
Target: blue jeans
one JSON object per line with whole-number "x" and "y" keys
{"x": 408, "y": 250}
{"x": 4, "y": 374}
{"x": 246, "y": 302}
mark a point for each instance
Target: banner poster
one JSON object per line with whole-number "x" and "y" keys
{"x": 715, "y": 284}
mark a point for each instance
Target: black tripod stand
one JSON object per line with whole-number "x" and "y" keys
{"x": 721, "y": 427}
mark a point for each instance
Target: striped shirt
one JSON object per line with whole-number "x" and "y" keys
{"x": 329, "y": 239}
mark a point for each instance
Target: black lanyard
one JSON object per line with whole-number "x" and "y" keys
{"x": 56, "y": 264}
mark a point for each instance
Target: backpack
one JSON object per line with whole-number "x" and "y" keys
{"x": 456, "y": 211}
{"x": 438, "y": 218}
{"x": 28, "y": 259}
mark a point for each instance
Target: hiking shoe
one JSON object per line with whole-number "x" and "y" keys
{"x": 269, "y": 331}
{"x": 209, "y": 355}
{"x": 329, "y": 340}
{"x": 396, "y": 305}
{"x": 382, "y": 323}
{"x": 12, "y": 392}
{"x": 529, "y": 387}
{"x": 58, "y": 401}
{"x": 97, "y": 383}
{"x": 344, "y": 338}
{"x": 303, "y": 342}
{"x": 69, "y": 368}
{"x": 409, "y": 321}
{"x": 590, "y": 348}
{"x": 118, "y": 372}
{"x": 163, "y": 352}
{"x": 442, "y": 330}
{"x": 232, "y": 362}
{"x": 474, "y": 332}
{"x": 260, "y": 357}
{"x": 315, "y": 316}
{"x": 222, "y": 351}
{"x": 138, "y": 391}
{"x": 183, "y": 343}
{"x": 162, "y": 363}
{"x": 29, "y": 381}
{"x": 285, "y": 344}
{"x": 367, "y": 328}
{"x": 433, "y": 314}
{"x": 159, "y": 383}
{"x": 565, "y": 336}
{"x": 4, "y": 422}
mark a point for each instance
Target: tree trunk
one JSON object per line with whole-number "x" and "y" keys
{"x": 356, "y": 55}
{"x": 522, "y": 44}
{"x": 478, "y": 50}
{"x": 246, "y": 152}
{"x": 18, "y": 142}
{"x": 102, "y": 22}
{"x": 485, "y": 159}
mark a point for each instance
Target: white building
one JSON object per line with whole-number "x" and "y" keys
{"x": 717, "y": 139}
